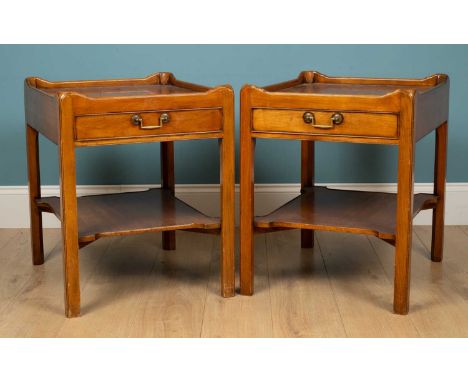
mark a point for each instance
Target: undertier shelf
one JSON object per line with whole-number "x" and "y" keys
{"x": 321, "y": 208}
{"x": 132, "y": 212}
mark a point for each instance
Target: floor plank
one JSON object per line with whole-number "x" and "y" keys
{"x": 239, "y": 316}
{"x": 362, "y": 290}
{"x": 438, "y": 297}
{"x": 141, "y": 290}
{"x": 302, "y": 301}
{"x": 109, "y": 297}
{"x": 455, "y": 247}
{"x": 464, "y": 228}
{"x": 174, "y": 304}
{"x": 6, "y": 235}
{"x": 19, "y": 276}
{"x": 132, "y": 288}
{"x": 37, "y": 309}
{"x": 13, "y": 251}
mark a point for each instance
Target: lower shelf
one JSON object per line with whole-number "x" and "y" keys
{"x": 371, "y": 213}
{"x": 132, "y": 212}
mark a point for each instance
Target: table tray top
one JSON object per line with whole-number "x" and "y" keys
{"x": 155, "y": 84}
{"x": 347, "y": 89}
{"x": 312, "y": 82}
{"x": 122, "y": 91}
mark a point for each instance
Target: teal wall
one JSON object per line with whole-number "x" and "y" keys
{"x": 197, "y": 162}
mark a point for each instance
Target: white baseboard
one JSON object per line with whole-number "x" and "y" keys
{"x": 14, "y": 199}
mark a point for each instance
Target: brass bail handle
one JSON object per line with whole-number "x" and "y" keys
{"x": 336, "y": 119}
{"x": 138, "y": 121}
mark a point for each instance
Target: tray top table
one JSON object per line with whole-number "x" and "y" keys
{"x": 158, "y": 108}
{"x": 315, "y": 107}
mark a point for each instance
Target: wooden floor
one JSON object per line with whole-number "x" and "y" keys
{"x": 132, "y": 288}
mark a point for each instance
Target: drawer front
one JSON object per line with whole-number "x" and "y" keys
{"x": 371, "y": 125}
{"x": 141, "y": 124}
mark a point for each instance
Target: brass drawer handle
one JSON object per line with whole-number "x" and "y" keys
{"x": 138, "y": 121}
{"x": 336, "y": 119}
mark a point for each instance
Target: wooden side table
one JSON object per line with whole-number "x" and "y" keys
{"x": 158, "y": 108}
{"x": 315, "y": 107}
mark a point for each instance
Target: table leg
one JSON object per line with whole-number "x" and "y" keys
{"x": 227, "y": 160}
{"x": 168, "y": 183}
{"x": 34, "y": 180}
{"x": 307, "y": 180}
{"x": 404, "y": 213}
{"x": 227, "y": 180}
{"x": 247, "y": 164}
{"x": 440, "y": 169}
{"x": 68, "y": 211}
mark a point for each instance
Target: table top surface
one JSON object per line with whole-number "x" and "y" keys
{"x": 122, "y": 91}
{"x": 347, "y": 89}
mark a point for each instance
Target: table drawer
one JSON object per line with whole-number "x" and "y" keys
{"x": 377, "y": 125}
{"x": 140, "y": 124}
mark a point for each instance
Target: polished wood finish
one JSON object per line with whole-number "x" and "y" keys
{"x": 323, "y": 137}
{"x": 168, "y": 183}
{"x": 115, "y": 126}
{"x": 375, "y": 110}
{"x": 321, "y": 208}
{"x": 440, "y": 169}
{"x": 227, "y": 176}
{"x": 354, "y": 124}
{"x": 307, "y": 180}
{"x": 68, "y": 208}
{"x": 119, "y": 90}
{"x": 32, "y": 150}
{"x": 131, "y": 212}
{"x": 41, "y": 111}
{"x": 247, "y": 157}
{"x": 404, "y": 210}
{"x": 99, "y": 112}
{"x": 132, "y": 288}
{"x": 432, "y": 108}
{"x": 148, "y": 138}
{"x": 348, "y": 88}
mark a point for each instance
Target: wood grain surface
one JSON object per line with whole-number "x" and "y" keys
{"x": 132, "y": 212}
{"x": 131, "y": 287}
{"x": 371, "y": 213}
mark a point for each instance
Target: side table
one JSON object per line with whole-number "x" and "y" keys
{"x": 158, "y": 108}
{"x": 314, "y": 107}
